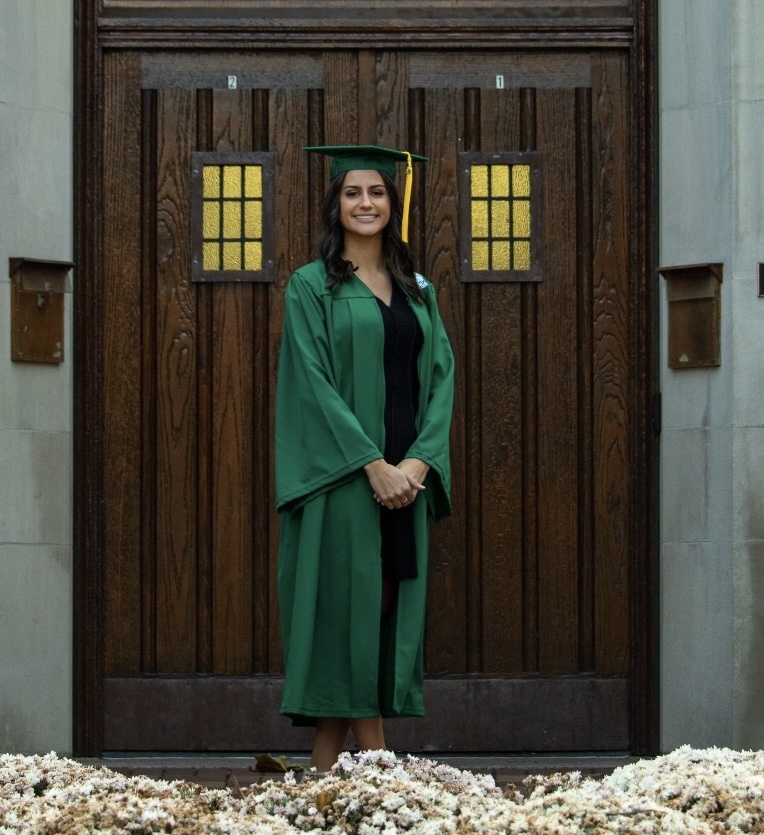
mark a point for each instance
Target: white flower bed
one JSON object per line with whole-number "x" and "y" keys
{"x": 688, "y": 791}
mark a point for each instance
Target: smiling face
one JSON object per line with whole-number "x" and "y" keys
{"x": 364, "y": 203}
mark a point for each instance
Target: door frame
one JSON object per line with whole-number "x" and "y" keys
{"x": 120, "y": 24}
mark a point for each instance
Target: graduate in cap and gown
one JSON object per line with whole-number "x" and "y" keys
{"x": 363, "y": 412}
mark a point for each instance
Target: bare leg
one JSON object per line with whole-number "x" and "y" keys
{"x": 329, "y": 742}
{"x": 369, "y": 733}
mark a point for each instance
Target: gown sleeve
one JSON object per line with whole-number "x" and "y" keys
{"x": 319, "y": 441}
{"x": 432, "y": 442}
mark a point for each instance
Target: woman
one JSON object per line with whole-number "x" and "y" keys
{"x": 364, "y": 400}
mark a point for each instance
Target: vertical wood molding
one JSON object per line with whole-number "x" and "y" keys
{"x": 529, "y": 376}
{"x": 440, "y": 129}
{"x": 205, "y": 141}
{"x": 500, "y": 422}
{"x": 556, "y": 495}
{"x": 149, "y": 392}
{"x": 88, "y": 518}
{"x": 472, "y": 421}
{"x": 392, "y": 116}
{"x": 122, "y": 387}
{"x": 233, "y": 375}
{"x": 367, "y": 98}
{"x": 341, "y": 117}
{"x": 263, "y": 522}
{"x": 584, "y": 387}
{"x": 615, "y": 400}
{"x": 645, "y": 580}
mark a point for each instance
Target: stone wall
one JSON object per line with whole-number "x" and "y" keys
{"x": 748, "y": 393}
{"x": 696, "y": 225}
{"x": 712, "y": 632}
{"x": 36, "y": 87}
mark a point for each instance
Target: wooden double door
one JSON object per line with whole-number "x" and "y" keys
{"x": 535, "y": 638}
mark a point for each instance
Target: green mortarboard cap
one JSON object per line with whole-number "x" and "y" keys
{"x": 363, "y": 157}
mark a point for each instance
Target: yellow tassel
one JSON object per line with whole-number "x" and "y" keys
{"x": 407, "y": 199}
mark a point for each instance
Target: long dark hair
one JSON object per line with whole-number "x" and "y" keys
{"x": 397, "y": 257}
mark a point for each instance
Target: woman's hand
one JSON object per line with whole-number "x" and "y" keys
{"x": 415, "y": 469}
{"x": 394, "y": 487}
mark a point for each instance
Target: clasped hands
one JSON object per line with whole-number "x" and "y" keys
{"x": 396, "y": 486}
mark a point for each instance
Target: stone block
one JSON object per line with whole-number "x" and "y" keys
{"x": 696, "y": 485}
{"x": 749, "y": 484}
{"x": 748, "y": 341}
{"x": 36, "y": 658}
{"x": 36, "y": 191}
{"x": 695, "y": 57}
{"x": 749, "y": 645}
{"x": 696, "y": 648}
{"x": 36, "y": 53}
{"x": 696, "y": 189}
{"x": 36, "y": 488}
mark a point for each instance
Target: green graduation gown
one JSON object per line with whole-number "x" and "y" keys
{"x": 340, "y": 661}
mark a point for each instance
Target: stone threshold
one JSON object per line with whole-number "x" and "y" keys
{"x": 238, "y": 771}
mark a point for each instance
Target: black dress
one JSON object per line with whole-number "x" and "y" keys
{"x": 403, "y": 342}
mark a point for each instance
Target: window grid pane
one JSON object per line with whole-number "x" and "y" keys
{"x": 500, "y": 211}
{"x": 232, "y": 217}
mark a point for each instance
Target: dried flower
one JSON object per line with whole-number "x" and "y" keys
{"x": 374, "y": 793}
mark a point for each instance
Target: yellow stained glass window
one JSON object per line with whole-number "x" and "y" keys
{"x": 480, "y": 181}
{"x": 211, "y": 258}
{"x": 232, "y": 180}
{"x": 253, "y": 255}
{"x": 211, "y": 219}
{"x": 253, "y": 219}
{"x": 232, "y": 220}
{"x": 521, "y": 180}
{"x": 232, "y": 217}
{"x": 479, "y": 219}
{"x": 253, "y": 181}
{"x": 522, "y": 255}
{"x": 500, "y": 220}
{"x": 521, "y": 218}
{"x": 500, "y": 255}
{"x": 232, "y": 256}
{"x": 500, "y": 215}
{"x": 499, "y": 181}
{"x": 480, "y": 255}
{"x": 211, "y": 182}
